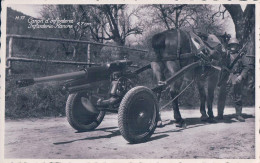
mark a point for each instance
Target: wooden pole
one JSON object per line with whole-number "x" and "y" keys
{"x": 89, "y": 55}
{"x": 9, "y": 63}
{"x": 17, "y": 59}
{"x": 72, "y": 41}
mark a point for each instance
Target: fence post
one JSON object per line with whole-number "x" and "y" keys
{"x": 88, "y": 54}
{"x": 9, "y": 64}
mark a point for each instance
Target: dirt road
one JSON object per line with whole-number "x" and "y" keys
{"x": 54, "y": 138}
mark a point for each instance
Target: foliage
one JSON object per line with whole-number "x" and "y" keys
{"x": 36, "y": 101}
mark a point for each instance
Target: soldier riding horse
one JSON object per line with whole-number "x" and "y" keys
{"x": 175, "y": 49}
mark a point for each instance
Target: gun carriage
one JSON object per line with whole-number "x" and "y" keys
{"x": 88, "y": 100}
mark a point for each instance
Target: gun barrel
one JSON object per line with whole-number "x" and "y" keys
{"x": 67, "y": 76}
{"x": 91, "y": 74}
{"x": 88, "y": 75}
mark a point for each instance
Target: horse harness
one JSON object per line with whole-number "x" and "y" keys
{"x": 193, "y": 51}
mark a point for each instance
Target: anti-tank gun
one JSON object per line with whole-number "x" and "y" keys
{"x": 86, "y": 106}
{"x": 137, "y": 106}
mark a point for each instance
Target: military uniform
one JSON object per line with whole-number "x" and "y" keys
{"x": 233, "y": 83}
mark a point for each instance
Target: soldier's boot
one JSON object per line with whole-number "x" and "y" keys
{"x": 240, "y": 118}
{"x": 239, "y": 114}
{"x": 220, "y": 115}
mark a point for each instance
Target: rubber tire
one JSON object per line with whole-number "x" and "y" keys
{"x": 76, "y": 111}
{"x": 123, "y": 115}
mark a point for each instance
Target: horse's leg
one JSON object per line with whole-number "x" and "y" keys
{"x": 175, "y": 104}
{"x": 202, "y": 93}
{"x": 212, "y": 83}
{"x": 173, "y": 67}
{"x": 157, "y": 68}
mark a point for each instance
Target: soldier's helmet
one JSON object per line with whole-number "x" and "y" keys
{"x": 233, "y": 41}
{"x": 233, "y": 45}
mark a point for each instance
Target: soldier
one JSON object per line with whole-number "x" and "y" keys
{"x": 237, "y": 74}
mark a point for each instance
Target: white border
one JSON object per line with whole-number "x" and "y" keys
{"x": 2, "y": 79}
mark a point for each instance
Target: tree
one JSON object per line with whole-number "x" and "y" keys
{"x": 183, "y": 16}
{"x": 244, "y": 21}
{"x": 116, "y": 23}
{"x": 68, "y": 12}
{"x": 98, "y": 23}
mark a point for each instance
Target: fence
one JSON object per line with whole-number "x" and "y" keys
{"x": 10, "y": 58}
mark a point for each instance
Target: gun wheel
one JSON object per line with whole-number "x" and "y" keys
{"x": 78, "y": 116}
{"x": 137, "y": 115}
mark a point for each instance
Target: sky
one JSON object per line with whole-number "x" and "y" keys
{"x": 34, "y": 11}
{"x": 31, "y": 10}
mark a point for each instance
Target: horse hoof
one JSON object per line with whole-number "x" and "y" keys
{"x": 204, "y": 118}
{"x": 181, "y": 124}
{"x": 211, "y": 120}
{"x": 159, "y": 124}
{"x": 220, "y": 117}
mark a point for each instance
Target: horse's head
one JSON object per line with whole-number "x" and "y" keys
{"x": 216, "y": 46}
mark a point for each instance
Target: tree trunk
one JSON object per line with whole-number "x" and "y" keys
{"x": 121, "y": 52}
{"x": 243, "y": 21}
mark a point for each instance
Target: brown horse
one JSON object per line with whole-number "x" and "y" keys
{"x": 175, "y": 49}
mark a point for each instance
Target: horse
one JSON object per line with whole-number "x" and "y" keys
{"x": 175, "y": 49}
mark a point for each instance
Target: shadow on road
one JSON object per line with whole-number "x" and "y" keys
{"x": 99, "y": 129}
{"x": 158, "y": 137}
{"x": 191, "y": 123}
{"x": 196, "y": 122}
{"x": 113, "y": 133}
{"x": 228, "y": 118}
{"x": 152, "y": 139}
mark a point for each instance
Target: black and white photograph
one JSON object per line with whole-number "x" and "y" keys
{"x": 149, "y": 81}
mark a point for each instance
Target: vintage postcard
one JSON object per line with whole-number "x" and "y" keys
{"x": 129, "y": 81}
